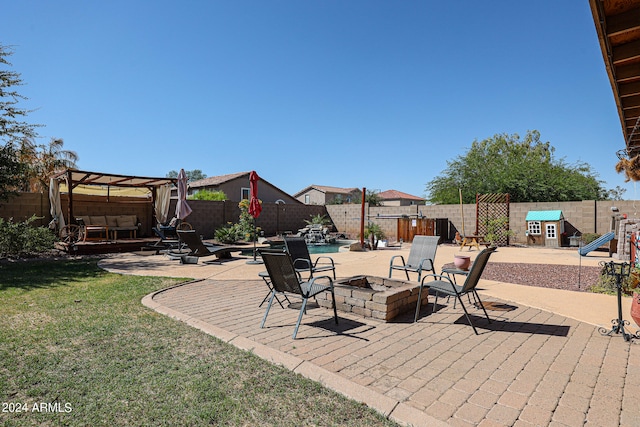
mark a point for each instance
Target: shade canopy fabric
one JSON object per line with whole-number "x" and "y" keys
{"x": 254, "y": 205}
{"x": 161, "y": 206}
{"x": 79, "y": 177}
{"x": 73, "y": 178}
{"x": 55, "y": 204}
{"x": 182, "y": 207}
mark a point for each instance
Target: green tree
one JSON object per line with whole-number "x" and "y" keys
{"x": 372, "y": 197}
{"x": 194, "y": 175}
{"x": 12, "y": 127}
{"x": 615, "y": 193}
{"x": 524, "y": 168}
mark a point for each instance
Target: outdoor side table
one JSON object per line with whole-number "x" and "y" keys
{"x": 96, "y": 229}
{"x": 454, "y": 271}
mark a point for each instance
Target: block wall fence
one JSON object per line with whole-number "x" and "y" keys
{"x": 587, "y": 216}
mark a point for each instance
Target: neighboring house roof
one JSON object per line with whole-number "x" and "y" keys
{"x": 326, "y": 189}
{"x": 544, "y": 216}
{"x": 217, "y": 180}
{"x": 395, "y": 194}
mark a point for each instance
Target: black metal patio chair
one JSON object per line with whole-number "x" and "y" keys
{"x": 299, "y": 252}
{"x": 440, "y": 284}
{"x": 284, "y": 279}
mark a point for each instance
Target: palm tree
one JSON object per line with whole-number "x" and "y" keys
{"x": 43, "y": 161}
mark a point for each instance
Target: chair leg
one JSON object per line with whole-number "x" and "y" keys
{"x": 479, "y": 301}
{"x": 264, "y": 319}
{"x": 277, "y": 299}
{"x": 303, "y": 310}
{"x": 335, "y": 309}
{"x": 419, "y": 303}
{"x": 466, "y": 313}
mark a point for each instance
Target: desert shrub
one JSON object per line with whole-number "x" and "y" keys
{"x": 228, "y": 234}
{"x": 21, "y": 239}
{"x": 589, "y": 237}
{"x": 318, "y": 220}
{"x": 607, "y": 284}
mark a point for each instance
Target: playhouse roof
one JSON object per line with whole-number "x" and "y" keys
{"x": 544, "y": 216}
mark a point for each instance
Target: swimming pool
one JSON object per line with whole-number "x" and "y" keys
{"x": 338, "y": 246}
{"x": 330, "y": 248}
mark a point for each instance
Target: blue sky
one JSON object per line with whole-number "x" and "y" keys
{"x": 350, "y": 93}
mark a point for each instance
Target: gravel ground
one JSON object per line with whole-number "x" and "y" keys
{"x": 568, "y": 277}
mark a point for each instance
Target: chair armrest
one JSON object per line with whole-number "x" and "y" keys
{"x": 323, "y": 257}
{"x": 308, "y": 264}
{"x": 397, "y": 256}
{"x": 439, "y": 277}
{"x": 421, "y": 267}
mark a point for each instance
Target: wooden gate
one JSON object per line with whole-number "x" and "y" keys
{"x": 409, "y": 227}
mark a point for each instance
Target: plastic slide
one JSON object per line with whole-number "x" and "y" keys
{"x": 597, "y": 243}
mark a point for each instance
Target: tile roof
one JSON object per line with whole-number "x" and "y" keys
{"x": 217, "y": 180}
{"x": 395, "y": 194}
{"x": 327, "y": 189}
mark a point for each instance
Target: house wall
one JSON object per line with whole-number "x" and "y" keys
{"x": 233, "y": 190}
{"x": 316, "y": 197}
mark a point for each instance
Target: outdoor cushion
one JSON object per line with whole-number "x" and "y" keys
{"x": 126, "y": 221}
{"x": 97, "y": 220}
{"x": 112, "y": 221}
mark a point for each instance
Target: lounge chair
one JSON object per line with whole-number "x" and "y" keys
{"x": 285, "y": 279}
{"x": 440, "y": 284}
{"x": 421, "y": 257}
{"x": 198, "y": 249}
{"x": 299, "y": 252}
{"x": 168, "y": 236}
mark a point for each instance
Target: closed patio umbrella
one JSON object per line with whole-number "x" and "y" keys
{"x": 254, "y": 206}
{"x": 56, "y": 206}
{"x": 254, "y": 209}
{"x": 182, "y": 207}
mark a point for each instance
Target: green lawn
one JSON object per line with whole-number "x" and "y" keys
{"x": 77, "y": 340}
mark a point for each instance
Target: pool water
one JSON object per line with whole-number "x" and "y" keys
{"x": 326, "y": 249}
{"x": 317, "y": 249}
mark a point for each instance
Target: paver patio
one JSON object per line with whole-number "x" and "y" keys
{"x": 531, "y": 366}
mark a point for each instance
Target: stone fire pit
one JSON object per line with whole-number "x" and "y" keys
{"x": 376, "y": 297}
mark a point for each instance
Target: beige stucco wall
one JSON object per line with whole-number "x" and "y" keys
{"x": 587, "y": 216}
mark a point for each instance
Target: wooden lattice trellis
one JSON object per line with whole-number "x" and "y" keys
{"x": 491, "y": 207}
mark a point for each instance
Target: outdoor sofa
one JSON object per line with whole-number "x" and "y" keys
{"x": 112, "y": 224}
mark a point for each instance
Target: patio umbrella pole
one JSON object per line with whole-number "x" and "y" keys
{"x": 254, "y": 240}
{"x": 254, "y": 210}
